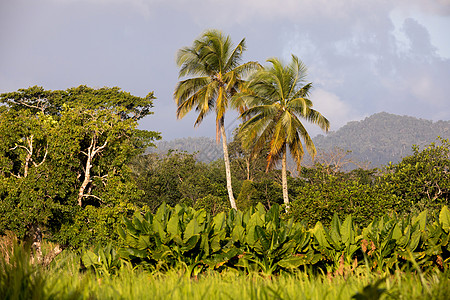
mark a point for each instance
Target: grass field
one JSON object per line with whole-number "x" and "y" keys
{"x": 64, "y": 279}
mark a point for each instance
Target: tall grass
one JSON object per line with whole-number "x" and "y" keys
{"x": 64, "y": 279}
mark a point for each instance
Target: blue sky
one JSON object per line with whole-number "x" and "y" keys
{"x": 363, "y": 57}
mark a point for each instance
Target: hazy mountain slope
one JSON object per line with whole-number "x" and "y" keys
{"x": 206, "y": 149}
{"x": 379, "y": 139}
{"x": 383, "y": 137}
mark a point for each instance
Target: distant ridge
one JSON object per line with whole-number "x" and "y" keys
{"x": 205, "y": 149}
{"x": 378, "y": 139}
{"x": 383, "y": 137}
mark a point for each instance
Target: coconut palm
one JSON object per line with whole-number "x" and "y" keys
{"x": 277, "y": 103}
{"x": 215, "y": 72}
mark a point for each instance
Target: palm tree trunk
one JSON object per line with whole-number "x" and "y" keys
{"x": 284, "y": 179}
{"x": 227, "y": 167}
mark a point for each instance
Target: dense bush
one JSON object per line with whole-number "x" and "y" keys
{"x": 422, "y": 180}
{"x": 321, "y": 200}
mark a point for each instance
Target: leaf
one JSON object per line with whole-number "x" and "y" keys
{"x": 251, "y": 237}
{"x": 190, "y": 243}
{"x": 319, "y": 234}
{"x": 291, "y": 262}
{"x": 173, "y": 228}
{"x": 261, "y": 235}
{"x": 200, "y": 215}
{"x": 143, "y": 242}
{"x": 89, "y": 259}
{"x": 121, "y": 232}
{"x": 421, "y": 219}
{"x": 444, "y": 218}
{"x": 219, "y": 221}
{"x": 397, "y": 232}
{"x": 216, "y": 239}
{"x": 191, "y": 229}
{"x": 238, "y": 234}
{"x": 347, "y": 231}
{"x": 335, "y": 230}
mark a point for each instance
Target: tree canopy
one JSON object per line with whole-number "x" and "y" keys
{"x": 64, "y": 151}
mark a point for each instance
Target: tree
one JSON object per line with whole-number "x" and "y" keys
{"x": 64, "y": 154}
{"x": 276, "y": 98}
{"x": 246, "y": 166}
{"x": 421, "y": 180}
{"x": 217, "y": 75}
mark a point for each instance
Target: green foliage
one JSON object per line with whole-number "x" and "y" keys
{"x": 371, "y": 291}
{"x": 62, "y": 151}
{"x": 19, "y": 279}
{"x": 326, "y": 194}
{"x": 267, "y": 192}
{"x": 64, "y": 279}
{"x": 177, "y": 177}
{"x": 276, "y": 98}
{"x": 212, "y": 204}
{"x": 246, "y": 197}
{"x": 422, "y": 180}
{"x": 260, "y": 240}
{"x": 103, "y": 260}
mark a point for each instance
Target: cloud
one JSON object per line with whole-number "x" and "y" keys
{"x": 333, "y": 108}
{"x": 362, "y": 57}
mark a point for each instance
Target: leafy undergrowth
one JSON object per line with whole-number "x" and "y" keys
{"x": 263, "y": 241}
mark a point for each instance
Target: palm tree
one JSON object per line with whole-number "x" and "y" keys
{"x": 216, "y": 75}
{"x": 276, "y": 98}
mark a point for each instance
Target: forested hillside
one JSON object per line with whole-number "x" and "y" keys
{"x": 205, "y": 149}
{"x": 383, "y": 137}
{"x": 378, "y": 139}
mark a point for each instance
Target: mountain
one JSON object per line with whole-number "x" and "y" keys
{"x": 378, "y": 139}
{"x": 383, "y": 137}
{"x": 205, "y": 149}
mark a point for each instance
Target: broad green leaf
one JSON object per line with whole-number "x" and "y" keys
{"x": 251, "y": 237}
{"x": 190, "y": 243}
{"x": 216, "y": 239}
{"x": 143, "y": 242}
{"x": 191, "y": 229}
{"x": 219, "y": 221}
{"x": 291, "y": 262}
{"x": 421, "y": 219}
{"x": 347, "y": 231}
{"x": 161, "y": 212}
{"x": 261, "y": 235}
{"x": 238, "y": 234}
{"x": 137, "y": 223}
{"x": 173, "y": 227}
{"x": 397, "y": 232}
{"x": 415, "y": 239}
{"x": 200, "y": 215}
{"x": 205, "y": 244}
{"x": 335, "y": 229}
{"x": 121, "y": 232}
{"x": 444, "y": 218}
{"x": 319, "y": 233}
{"x": 89, "y": 259}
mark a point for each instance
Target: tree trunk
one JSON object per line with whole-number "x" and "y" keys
{"x": 247, "y": 163}
{"x": 92, "y": 151}
{"x": 284, "y": 180}
{"x": 87, "y": 179}
{"x": 227, "y": 167}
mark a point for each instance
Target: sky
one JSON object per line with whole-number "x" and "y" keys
{"x": 363, "y": 56}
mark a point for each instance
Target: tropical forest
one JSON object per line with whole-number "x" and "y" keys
{"x": 93, "y": 207}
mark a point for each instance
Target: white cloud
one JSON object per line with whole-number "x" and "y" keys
{"x": 333, "y": 108}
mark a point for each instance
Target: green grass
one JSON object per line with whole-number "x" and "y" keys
{"x": 64, "y": 280}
